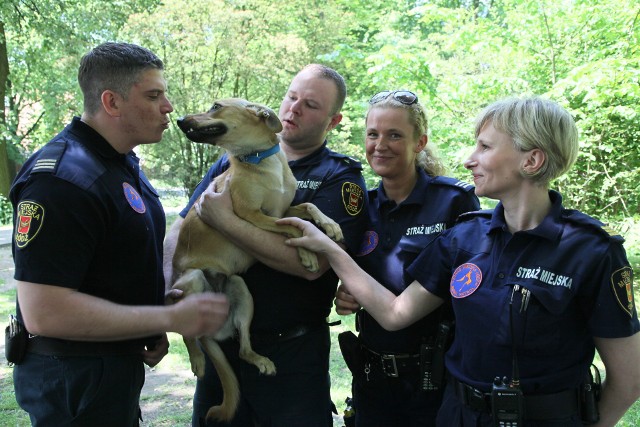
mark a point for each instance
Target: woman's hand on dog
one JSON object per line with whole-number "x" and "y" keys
{"x": 312, "y": 237}
{"x": 214, "y": 207}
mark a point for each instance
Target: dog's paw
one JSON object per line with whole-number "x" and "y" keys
{"x": 266, "y": 366}
{"x": 197, "y": 365}
{"x": 333, "y": 230}
{"x": 308, "y": 259}
{"x": 220, "y": 413}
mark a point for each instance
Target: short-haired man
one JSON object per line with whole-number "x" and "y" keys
{"x": 291, "y": 304}
{"x": 87, "y": 245}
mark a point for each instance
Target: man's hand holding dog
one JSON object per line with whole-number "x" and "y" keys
{"x": 199, "y": 314}
{"x": 345, "y": 302}
{"x": 215, "y": 207}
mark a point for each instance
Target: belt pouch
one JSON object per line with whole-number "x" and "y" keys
{"x": 351, "y": 352}
{"x": 15, "y": 342}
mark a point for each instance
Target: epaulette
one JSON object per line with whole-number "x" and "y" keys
{"x": 583, "y": 220}
{"x": 453, "y": 182}
{"x": 346, "y": 159}
{"x": 48, "y": 157}
{"x": 485, "y": 213}
{"x": 69, "y": 161}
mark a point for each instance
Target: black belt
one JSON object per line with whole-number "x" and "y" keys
{"x": 536, "y": 406}
{"x": 57, "y": 347}
{"x": 269, "y": 337}
{"x": 393, "y": 365}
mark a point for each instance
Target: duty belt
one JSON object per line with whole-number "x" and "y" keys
{"x": 57, "y": 347}
{"x": 536, "y": 406}
{"x": 281, "y": 335}
{"x": 393, "y": 365}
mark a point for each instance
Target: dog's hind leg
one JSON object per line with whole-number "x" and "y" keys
{"x": 237, "y": 290}
{"x": 196, "y": 357}
{"x": 230, "y": 387}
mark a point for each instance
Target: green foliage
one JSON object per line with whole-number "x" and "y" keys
{"x": 604, "y": 96}
{"x": 457, "y": 55}
{"x": 220, "y": 49}
{"x": 6, "y": 211}
{"x": 45, "y": 41}
{"x": 460, "y": 56}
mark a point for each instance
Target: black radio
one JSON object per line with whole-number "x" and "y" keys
{"x": 507, "y": 404}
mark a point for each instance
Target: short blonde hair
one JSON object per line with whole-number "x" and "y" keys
{"x": 536, "y": 123}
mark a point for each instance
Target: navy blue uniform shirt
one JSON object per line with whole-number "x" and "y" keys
{"x": 333, "y": 182}
{"x": 86, "y": 217}
{"x": 581, "y": 287}
{"x": 397, "y": 235}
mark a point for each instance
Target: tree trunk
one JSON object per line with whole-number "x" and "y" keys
{"x": 7, "y": 169}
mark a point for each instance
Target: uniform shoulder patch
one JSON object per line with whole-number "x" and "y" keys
{"x": 485, "y": 213}
{"x": 622, "y": 286}
{"x": 350, "y": 161}
{"x": 49, "y": 157}
{"x": 584, "y": 220}
{"x": 352, "y": 198}
{"x": 29, "y": 218}
{"x": 453, "y": 182}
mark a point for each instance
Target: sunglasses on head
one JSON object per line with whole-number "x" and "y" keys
{"x": 403, "y": 96}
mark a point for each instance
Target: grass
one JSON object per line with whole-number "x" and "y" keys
{"x": 10, "y": 413}
{"x": 175, "y": 401}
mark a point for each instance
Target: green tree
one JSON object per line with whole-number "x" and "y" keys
{"x": 220, "y": 49}
{"x": 460, "y": 56}
{"x": 40, "y": 46}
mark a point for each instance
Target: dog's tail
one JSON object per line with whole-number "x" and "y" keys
{"x": 230, "y": 387}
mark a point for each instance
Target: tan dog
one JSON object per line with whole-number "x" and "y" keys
{"x": 261, "y": 192}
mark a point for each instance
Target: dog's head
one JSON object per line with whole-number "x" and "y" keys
{"x": 237, "y": 125}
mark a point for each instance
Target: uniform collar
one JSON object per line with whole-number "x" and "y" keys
{"x": 550, "y": 227}
{"x": 417, "y": 196}
{"x": 91, "y": 139}
{"x": 312, "y": 158}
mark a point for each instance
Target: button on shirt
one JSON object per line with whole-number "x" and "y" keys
{"x": 580, "y": 283}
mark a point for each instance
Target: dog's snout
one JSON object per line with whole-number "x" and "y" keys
{"x": 181, "y": 122}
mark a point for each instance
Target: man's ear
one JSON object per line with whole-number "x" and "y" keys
{"x": 111, "y": 103}
{"x": 335, "y": 119}
{"x": 533, "y": 161}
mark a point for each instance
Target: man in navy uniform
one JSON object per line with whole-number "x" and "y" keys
{"x": 291, "y": 304}
{"x": 87, "y": 245}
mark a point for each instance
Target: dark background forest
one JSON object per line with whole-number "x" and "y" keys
{"x": 457, "y": 55}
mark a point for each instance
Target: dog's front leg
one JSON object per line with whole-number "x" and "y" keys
{"x": 311, "y": 211}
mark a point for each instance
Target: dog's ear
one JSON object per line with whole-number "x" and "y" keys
{"x": 270, "y": 117}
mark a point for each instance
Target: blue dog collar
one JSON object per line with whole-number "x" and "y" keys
{"x": 255, "y": 158}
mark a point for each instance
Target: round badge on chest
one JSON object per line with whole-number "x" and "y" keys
{"x": 465, "y": 280}
{"x": 134, "y": 198}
